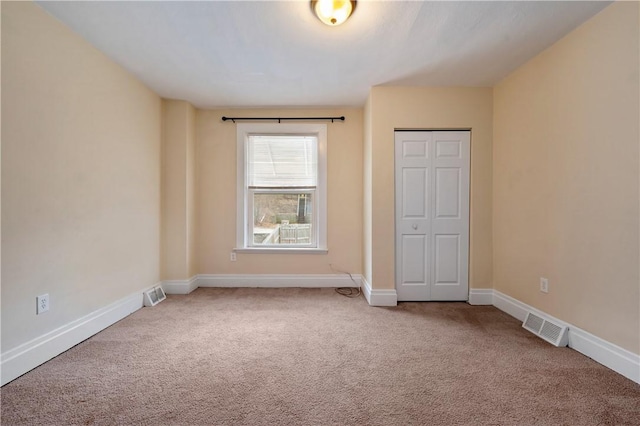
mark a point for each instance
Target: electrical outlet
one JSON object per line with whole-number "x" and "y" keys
{"x": 232, "y": 256}
{"x": 42, "y": 304}
{"x": 544, "y": 285}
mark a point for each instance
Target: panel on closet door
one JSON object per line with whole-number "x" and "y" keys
{"x": 414, "y": 192}
{"x": 414, "y": 258}
{"x": 447, "y": 259}
{"x": 447, "y": 192}
{"x": 448, "y": 149}
{"x": 415, "y": 148}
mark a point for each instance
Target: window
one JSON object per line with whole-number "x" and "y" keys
{"x": 282, "y": 187}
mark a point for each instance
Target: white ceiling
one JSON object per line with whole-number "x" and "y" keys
{"x": 276, "y": 53}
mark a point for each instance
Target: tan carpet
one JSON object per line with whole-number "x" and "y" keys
{"x": 313, "y": 357}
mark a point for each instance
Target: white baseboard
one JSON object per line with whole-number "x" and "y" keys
{"x": 18, "y": 361}
{"x": 614, "y": 357}
{"x": 480, "y": 296}
{"x": 379, "y": 297}
{"x": 514, "y": 307}
{"x": 606, "y": 353}
{"x": 366, "y": 289}
{"x": 374, "y": 297}
{"x": 277, "y": 281}
{"x": 180, "y": 286}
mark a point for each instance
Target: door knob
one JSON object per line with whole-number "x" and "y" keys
{"x": 414, "y": 226}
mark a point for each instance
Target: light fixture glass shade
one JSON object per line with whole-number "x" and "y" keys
{"x": 333, "y": 12}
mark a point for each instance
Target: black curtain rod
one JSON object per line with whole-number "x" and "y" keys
{"x": 281, "y": 118}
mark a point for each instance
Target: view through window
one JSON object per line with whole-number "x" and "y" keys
{"x": 282, "y": 178}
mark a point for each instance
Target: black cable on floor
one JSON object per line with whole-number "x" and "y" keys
{"x": 348, "y": 291}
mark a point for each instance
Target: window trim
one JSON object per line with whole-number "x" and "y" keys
{"x": 243, "y": 243}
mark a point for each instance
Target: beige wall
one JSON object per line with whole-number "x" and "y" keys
{"x": 192, "y": 202}
{"x": 178, "y": 190}
{"x": 367, "y": 207}
{"x": 566, "y": 178}
{"x": 80, "y": 176}
{"x": 393, "y": 108}
{"x": 216, "y": 194}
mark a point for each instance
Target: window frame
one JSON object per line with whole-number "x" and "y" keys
{"x": 244, "y": 196}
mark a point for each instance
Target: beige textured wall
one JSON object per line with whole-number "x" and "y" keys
{"x": 80, "y": 176}
{"x": 566, "y": 178}
{"x": 191, "y": 192}
{"x": 429, "y": 108}
{"x": 178, "y": 190}
{"x": 216, "y": 195}
{"x": 367, "y": 207}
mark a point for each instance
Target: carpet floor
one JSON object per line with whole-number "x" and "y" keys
{"x": 314, "y": 357}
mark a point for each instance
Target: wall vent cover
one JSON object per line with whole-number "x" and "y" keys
{"x": 546, "y": 329}
{"x": 154, "y": 296}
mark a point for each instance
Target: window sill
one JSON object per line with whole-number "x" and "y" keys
{"x": 283, "y": 250}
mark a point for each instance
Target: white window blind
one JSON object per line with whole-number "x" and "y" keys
{"x": 282, "y": 161}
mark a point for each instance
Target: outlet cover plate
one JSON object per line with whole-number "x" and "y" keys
{"x": 544, "y": 285}
{"x": 42, "y": 304}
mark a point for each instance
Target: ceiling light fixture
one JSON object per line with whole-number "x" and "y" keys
{"x": 333, "y": 12}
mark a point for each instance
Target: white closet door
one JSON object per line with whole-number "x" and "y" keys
{"x": 432, "y": 215}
